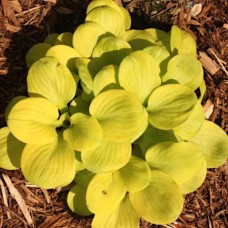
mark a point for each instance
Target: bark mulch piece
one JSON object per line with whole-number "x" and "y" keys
{"x": 26, "y": 22}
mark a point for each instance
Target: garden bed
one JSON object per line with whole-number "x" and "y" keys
{"x": 24, "y": 23}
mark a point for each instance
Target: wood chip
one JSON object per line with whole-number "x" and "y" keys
{"x": 196, "y": 9}
{"x": 4, "y": 196}
{"x": 208, "y": 63}
{"x": 208, "y": 109}
{"x": 17, "y": 196}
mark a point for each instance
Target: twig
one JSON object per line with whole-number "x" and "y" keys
{"x": 4, "y": 196}
{"x": 17, "y": 196}
{"x": 163, "y": 11}
{"x": 45, "y": 192}
{"x": 29, "y": 10}
{"x": 220, "y": 62}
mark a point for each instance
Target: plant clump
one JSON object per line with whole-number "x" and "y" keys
{"x": 114, "y": 110}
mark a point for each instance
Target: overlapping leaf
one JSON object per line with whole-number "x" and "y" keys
{"x": 161, "y": 202}
{"x": 170, "y": 105}
{"x": 182, "y": 161}
{"x": 84, "y": 132}
{"x": 34, "y": 120}
{"x": 109, "y": 18}
{"x": 52, "y": 80}
{"x": 49, "y": 165}
{"x": 10, "y": 150}
{"x": 120, "y": 115}
{"x": 139, "y": 74}
{"x": 213, "y": 142}
{"x": 123, "y": 216}
{"x": 104, "y": 194}
{"x": 186, "y": 70}
{"x": 86, "y": 37}
{"x": 108, "y": 156}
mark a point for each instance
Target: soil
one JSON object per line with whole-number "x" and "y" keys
{"x": 26, "y": 22}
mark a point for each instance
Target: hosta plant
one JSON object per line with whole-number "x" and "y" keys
{"x": 114, "y": 110}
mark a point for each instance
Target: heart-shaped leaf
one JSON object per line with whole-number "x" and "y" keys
{"x": 123, "y": 216}
{"x": 108, "y": 156}
{"x": 170, "y": 105}
{"x": 120, "y": 115}
{"x": 213, "y": 142}
{"x": 52, "y": 80}
{"x": 139, "y": 74}
{"x": 109, "y": 18}
{"x": 104, "y": 194}
{"x": 181, "y": 161}
{"x": 186, "y": 70}
{"x": 34, "y": 120}
{"x": 49, "y": 165}
{"x": 86, "y": 37}
{"x": 161, "y": 202}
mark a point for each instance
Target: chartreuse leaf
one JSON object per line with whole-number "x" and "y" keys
{"x": 111, "y": 50}
{"x": 161, "y": 55}
{"x": 106, "y": 79}
{"x": 109, "y": 18}
{"x": 120, "y": 115}
{"x": 135, "y": 174}
{"x": 213, "y": 142}
{"x": 51, "y": 38}
{"x": 182, "y": 161}
{"x": 192, "y": 125}
{"x": 108, "y": 156}
{"x": 76, "y": 200}
{"x": 64, "y": 38}
{"x": 36, "y": 52}
{"x": 84, "y": 132}
{"x": 104, "y": 193}
{"x": 65, "y": 55}
{"x": 86, "y": 36}
{"x": 10, "y": 150}
{"x": 152, "y": 136}
{"x": 139, "y": 39}
{"x": 161, "y": 38}
{"x": 195, "y": 182}
{"x": 52, "y": 80}
{"x": 78, "y": 162}
{"x": 182, "y": 42}
{"x": 34, "y": 120}
{"x": 186, "y": 70}
{"x": 124, "y": 13}
{"x": 124, "y": 216}
{"x": 49, "y": 165}
{"x": 139, "y": 74}
{"x": 170, "y": 105}
{"x": 85, "y": 73}
{"x": 159, "y": 203}
{"x": 202, "y": 89}
{"x": 83, "y": 177}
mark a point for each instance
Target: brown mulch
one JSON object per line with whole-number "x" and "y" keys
{"x": 26, "y": 22}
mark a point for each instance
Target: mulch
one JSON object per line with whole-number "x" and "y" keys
{"x": 26, "y": 22}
